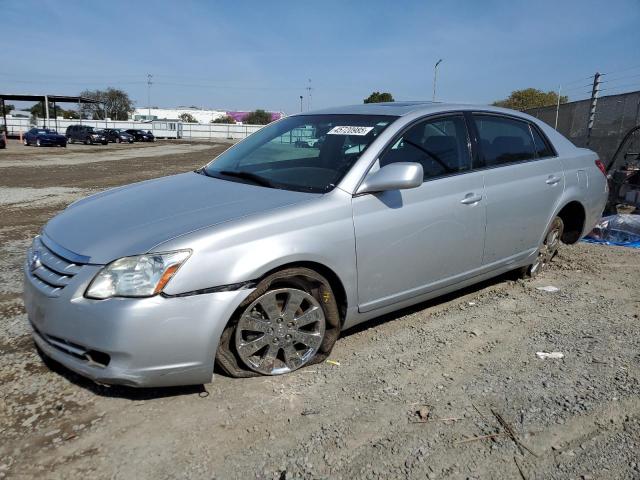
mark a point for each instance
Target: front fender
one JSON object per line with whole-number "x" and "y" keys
{"x": 319, "y": 231}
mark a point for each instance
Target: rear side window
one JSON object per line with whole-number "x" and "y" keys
{"x": 504, "y": 140}
{"x": 543, "y": 149}
{"x": 441, "y": 145}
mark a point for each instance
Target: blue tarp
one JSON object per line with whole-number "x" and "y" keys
{"x": 621, "y": 230}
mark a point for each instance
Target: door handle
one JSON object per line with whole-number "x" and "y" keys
{"x": 552, "y": 180}
{"x": 471, "y": 199}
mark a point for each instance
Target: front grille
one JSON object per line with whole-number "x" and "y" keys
{"x": 54, "y": 271}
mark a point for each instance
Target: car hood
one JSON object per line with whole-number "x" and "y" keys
{"x": 133, "y": 219}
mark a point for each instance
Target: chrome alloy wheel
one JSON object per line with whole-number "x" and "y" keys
{"x": 280, "y": 331}
{"x": 549, "y": 246}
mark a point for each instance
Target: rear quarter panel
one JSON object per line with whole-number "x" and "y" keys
{"x": 584, "y": 182}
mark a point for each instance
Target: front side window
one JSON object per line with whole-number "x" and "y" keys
{"x": 440, "y": 145}
{"x": 309, "y": 153}
{"x": 503, "y": 140}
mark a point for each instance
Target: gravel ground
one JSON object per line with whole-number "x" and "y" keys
{"x": 448, "y": 389}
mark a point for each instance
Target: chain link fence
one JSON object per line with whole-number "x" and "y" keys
{"x": 615, "y": 116}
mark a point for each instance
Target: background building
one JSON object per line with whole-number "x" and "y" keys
{"x": 200, "y": 114}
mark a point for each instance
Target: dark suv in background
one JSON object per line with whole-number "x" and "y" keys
{"x": 85, "y": 134}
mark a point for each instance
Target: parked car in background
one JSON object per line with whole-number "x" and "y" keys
{"x": 260, "y": 258}
{"x": 118, "y": 135}
{"x": 44, "y": 137}
{"x": 141, "y": 135}
{"x": 85, "y": 134}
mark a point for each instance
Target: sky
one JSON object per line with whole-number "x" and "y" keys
{"x": 246, "y": 54}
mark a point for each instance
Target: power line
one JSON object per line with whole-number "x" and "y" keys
{"x": 622, "y": 70}
{"x": 616, "y": 87}
{"x": 621, "y": 78}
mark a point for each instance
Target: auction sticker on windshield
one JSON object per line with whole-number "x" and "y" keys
{"x": 349, "y": 130}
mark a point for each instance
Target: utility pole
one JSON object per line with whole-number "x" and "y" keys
{"x": 301, "y": 97}
{"x": 435, "y": 78}
{"x": 558, "y": 106}
{"x": 309, "y": 96}
{"x": 46, "y": 111}
{"x": 595, "y": 92}
{"x": 149, "y": 83}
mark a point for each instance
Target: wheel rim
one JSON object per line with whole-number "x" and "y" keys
{"x": 38, "y": 142}
{"x": 280, "y": 331}
{"x": 549, "y": 247}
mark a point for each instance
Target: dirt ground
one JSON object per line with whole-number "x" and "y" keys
{"x": 448, "y": 389}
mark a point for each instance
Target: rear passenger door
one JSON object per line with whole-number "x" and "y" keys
{"x": 410, "y": 242}
{"x": 524, "y": 181}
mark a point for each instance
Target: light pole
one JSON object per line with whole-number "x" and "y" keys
{"x": 435, "y": 78}
{"x": 558, "y": 106}
{"x": 149, "y": 82}
{"x": 300, "y": 103}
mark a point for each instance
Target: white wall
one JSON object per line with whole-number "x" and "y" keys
{"x": 189, "y": 130}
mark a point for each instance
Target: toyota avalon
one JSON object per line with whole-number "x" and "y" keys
{"x": 259, "y": 259}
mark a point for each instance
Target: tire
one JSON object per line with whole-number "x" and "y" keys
{"x": 25, "y": 142}
{"x": 70, "y": 140}
{"x": 546, "y": 251}
{"x": 317, "y": 293}
{"x": 87, "y": 141}
{"x": 118, "y": 140}
{"x": 38, "y": 144}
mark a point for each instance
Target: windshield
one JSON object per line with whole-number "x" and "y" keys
{"x": 46, "y": 131}
{"x": 309, "y": 153}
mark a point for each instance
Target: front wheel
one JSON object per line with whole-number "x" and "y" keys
{"x": 547, "y": 250}
{"x": 38, "y": 144}
{"x": 289, "y": 321}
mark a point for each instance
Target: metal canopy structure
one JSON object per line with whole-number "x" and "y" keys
{"x": 45, "y": 99}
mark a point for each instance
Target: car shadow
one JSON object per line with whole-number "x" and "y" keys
{"x": 477, "y": 287}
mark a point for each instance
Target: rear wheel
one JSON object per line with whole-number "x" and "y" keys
{"x": 87, "y": 141}
{"x": 25, "y": 142}
{"x": 289, "y": 321}
{"x": 547, "y": 250}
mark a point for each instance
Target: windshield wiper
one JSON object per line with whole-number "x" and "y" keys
{"x": 252, "y": 177}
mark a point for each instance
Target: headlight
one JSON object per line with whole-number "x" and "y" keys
{"x": 139, "y": 276}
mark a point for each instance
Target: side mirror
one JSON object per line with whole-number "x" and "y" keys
{"x": 395, "y": 176}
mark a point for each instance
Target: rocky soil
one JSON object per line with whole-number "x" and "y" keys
{"x": 448, "y": 389}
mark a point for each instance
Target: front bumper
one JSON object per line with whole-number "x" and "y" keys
{"x": 145, "y": 342}
{"x": 49, "y": 142}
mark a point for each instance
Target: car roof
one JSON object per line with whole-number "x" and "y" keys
{"x": 407, "y": 107}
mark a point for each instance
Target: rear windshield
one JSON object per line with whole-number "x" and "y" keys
{"x": 304, "y": 153}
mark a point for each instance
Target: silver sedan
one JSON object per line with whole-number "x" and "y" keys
{"x": 258, "y": 260}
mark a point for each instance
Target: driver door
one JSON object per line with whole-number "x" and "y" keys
{"x": 414, "y": 241}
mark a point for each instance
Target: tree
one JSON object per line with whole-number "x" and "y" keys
{"x": 224, "y": 119}
{"x": 530, "y": 98}
{"x": 7, "y": 108}
{"x": 187, "y": 118}
{"x": 259, "y": 117}
{"x": 37, "y": 111}
{"x": 114, "y": 102}
{"x": 377, "y": 97}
